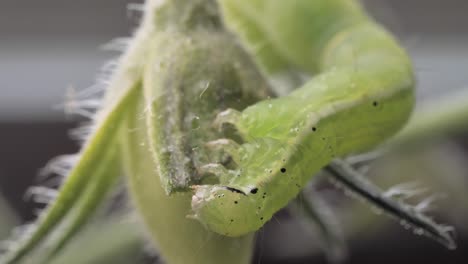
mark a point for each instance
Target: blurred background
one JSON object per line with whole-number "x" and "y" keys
{"x": 50, "y": 45}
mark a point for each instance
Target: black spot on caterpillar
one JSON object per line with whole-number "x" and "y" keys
{"x": 234, "y": 190}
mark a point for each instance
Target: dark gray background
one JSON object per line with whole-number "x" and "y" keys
{"x": 48, "y": 45}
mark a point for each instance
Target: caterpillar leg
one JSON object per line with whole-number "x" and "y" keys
{"x": 223, "y": 174}
{"x": 228, "y": 146}
{"x": 229, "y": 116}
{"x": 412, "y": 216}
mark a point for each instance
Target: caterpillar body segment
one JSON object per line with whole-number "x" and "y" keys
{"x": 363, "y": 94}
{"x": 290, "y": 34}
{"x": 272, "y": 171}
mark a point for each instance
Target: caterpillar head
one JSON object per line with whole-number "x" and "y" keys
{"x": 228, "y": 211}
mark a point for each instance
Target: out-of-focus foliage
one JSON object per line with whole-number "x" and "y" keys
{"x": 7, "y": 220}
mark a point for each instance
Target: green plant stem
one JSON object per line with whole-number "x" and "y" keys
{"x": 79, "y": 179}
{"x": 434, "y": 120}
{"x": 111, "y": 240}
{"x": 178, "y": 238}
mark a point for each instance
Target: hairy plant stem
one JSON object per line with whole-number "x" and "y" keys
{"x": 186, "y": 46}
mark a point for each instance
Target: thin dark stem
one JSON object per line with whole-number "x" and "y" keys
{"x": 354, "y": 181}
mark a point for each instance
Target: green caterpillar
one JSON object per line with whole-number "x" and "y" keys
{"x": 363, "y": 93}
